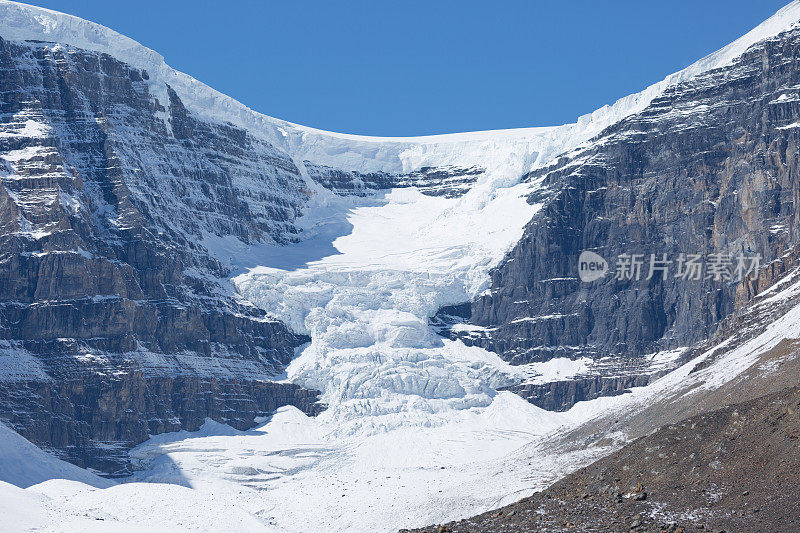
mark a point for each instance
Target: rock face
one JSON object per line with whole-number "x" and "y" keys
{"x": 93, "y": 417}
{"x": 114, "y": 322}
{"x": 448, "y": 181}
{"x": 709, "y": 167}
{"x": 561, "y": 395}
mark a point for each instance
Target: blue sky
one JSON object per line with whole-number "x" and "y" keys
{"x": 422, "y": 67}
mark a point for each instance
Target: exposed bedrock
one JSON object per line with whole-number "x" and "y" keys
{"x": 115, "y": 320}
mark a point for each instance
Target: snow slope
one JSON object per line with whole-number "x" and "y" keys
{"x": 415, "y": 431}
{"x": 69, "y": 506}
{"x": 23, "y": 464}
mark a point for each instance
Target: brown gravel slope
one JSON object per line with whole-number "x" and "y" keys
{"x": 736, "y": 469}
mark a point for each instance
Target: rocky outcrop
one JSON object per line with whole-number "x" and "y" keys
{"x": 563, "y": 394}
{"x": 448, "y": 181}
{"x": 116, "y": 321}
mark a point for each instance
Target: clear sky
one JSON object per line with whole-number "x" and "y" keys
{"x": 383, "y": 67}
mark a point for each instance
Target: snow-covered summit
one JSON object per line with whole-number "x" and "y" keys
{"x": 536, "y": 145}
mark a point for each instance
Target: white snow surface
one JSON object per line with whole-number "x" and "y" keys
{"x": 415, "y": 431}
{"x": 67, "y": 506}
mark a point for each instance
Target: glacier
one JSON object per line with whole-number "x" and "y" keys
{"x": 415, "y": 429}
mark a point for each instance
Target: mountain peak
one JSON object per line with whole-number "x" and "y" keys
{"x": 25, "y": 22}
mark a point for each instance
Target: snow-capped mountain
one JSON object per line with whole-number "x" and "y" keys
{"x": 215, "y": 298}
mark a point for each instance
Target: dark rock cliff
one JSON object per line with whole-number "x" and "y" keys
{"x": 115, "y": 321}
{"x": 448, "y": 181}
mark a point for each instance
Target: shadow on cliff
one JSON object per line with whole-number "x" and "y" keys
{"x": 323, "y": 226}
